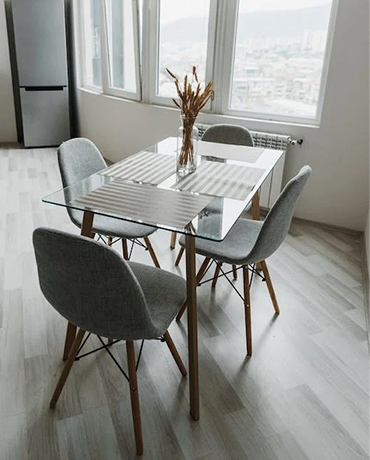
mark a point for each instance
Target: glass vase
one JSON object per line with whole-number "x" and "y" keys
{"x": 187, "y": 147}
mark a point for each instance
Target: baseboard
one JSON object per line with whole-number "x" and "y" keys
{"x": 350, "y": 231}
{"x": 366, "y": 285}
{"x": 336, "y": 228}
{"x": 11, "y": 145}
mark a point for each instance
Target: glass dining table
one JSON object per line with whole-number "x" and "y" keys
{"x": 144, "y": 188}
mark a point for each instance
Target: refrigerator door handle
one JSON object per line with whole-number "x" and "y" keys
{"x": 44, "y": 88}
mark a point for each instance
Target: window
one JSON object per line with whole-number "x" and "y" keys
{"x": 91, "y": 39}
{"x": 111, "y": 46}
{"x": 176, "y": 35}
{"x": 267, "y": 60}
{"x": 177, "y": 48}
{"x": 279, "y": 57}
{"x": 122, "y": 54}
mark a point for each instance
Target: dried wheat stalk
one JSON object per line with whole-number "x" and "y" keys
{"x": 192, "y": 100}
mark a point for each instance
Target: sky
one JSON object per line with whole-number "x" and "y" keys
{"x": 175, "y": 9}
{"x": 253, "y": 5}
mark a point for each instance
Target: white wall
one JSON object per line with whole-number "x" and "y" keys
{"x": 8, "y": 130}
{"x": 338, "y": 150}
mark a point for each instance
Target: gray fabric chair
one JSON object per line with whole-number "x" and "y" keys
{"x": 228, "y": 134}
{"x": 252, "y": 241}
{"x": 78, "y": 159}
{"x": 224, "y": 134}
{"x": 133, "y": 301}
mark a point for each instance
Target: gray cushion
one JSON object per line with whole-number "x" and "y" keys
{"x": 228, "y": 134}
{"x": 115, "y": 227}
{"x": 94, "y": 288}
{"x": 78, "y": 159}
{"x": 237, "y": 245}
{"x": 164, "y": 292}
{"x": 251, "y": 241}
{"x": 277, "y": 222}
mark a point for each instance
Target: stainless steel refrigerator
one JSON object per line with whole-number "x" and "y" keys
{"x": 42, "y": 71}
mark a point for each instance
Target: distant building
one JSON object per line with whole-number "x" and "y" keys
{"x": 314, "y": 41}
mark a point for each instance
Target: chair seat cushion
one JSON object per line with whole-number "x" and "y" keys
{"x": 236, "y": 246}
{"x": 109, "y": 226}
{"x": 164, "y": 293}
{"x": 123, "y": 229}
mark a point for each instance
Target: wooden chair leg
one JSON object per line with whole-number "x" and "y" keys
{"x": 179, "y": 256}
{"x": 70, "y": 337}
{"x": 247, "y": 310}
{"x": 200, "y": 274}
{"x": 235, "y": 272}
{"x": 67, "y": 367}
{"x": 134, "y": 393}
{"x": 269, "y": 286}
{"x": 182, "y": 310}
{"x": 215, "y": 276}
{"x": 202, "y": 270}
{"x": 151, "y": 251}
{"x": 175, "y": 353}
{"x": 124, "y": 249}
{"x": 173, "y": 240}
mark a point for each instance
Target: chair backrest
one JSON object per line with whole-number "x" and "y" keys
{"x": 228, "y": 134}
{"x": 91, "y": 286}
{"x": 78, "y": 158}
{"x": 277, "y": 222}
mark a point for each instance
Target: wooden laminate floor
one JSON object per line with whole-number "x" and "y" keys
{"x": 304, "y": 394}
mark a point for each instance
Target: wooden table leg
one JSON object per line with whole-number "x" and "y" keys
{"x": 256, "y": 206}
{"x": 192, "y": 326}
{"x": 256, "y": 216}
{"x": 86, "y": 227}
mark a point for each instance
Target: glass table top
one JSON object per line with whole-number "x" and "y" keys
{"x": 144, "y": 188}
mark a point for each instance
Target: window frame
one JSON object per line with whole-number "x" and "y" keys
{"x": 83, "y": 20}
{"x": 150, "y": 53}
{"x": 326, "y": 61}
{"x": 106, "y": 77}
{"x": 272, "y": 117}
{"x": 106, "y": 87}
{"x": 221, "y": 45}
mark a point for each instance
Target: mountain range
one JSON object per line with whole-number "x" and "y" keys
{"x": 280, "y": 23}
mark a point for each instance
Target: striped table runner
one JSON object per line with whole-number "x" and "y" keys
{"x": 230, "y": 152}
{"x": 148, "y": 204}
{"x": 144, "y": 167}
{"x": 221, "y": 179}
